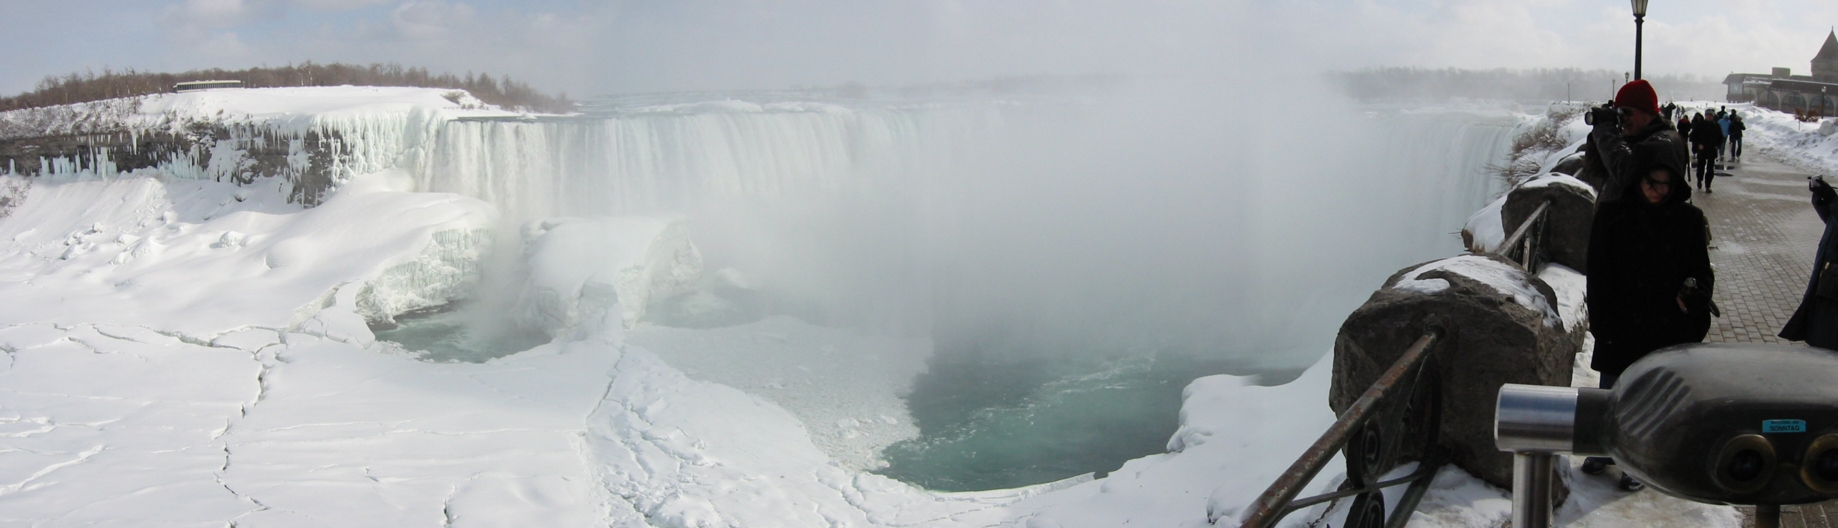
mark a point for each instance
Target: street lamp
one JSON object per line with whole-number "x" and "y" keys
{"x": 1640, "y": 15}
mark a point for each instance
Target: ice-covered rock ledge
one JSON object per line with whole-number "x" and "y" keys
{"x": 314, "y": 139}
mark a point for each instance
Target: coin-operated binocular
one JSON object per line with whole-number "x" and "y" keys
{"x": 1722, "y": 424}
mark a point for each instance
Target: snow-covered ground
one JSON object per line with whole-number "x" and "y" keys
{"x": 184, "y": 352}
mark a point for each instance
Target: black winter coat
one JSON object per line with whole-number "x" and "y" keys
{"x": 1639, "y": 257}
{"x": 1816, "y": 320}
{"x": 1613, "y": 159}
{"x": 1706, "y": 137}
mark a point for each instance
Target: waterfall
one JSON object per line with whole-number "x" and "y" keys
{"x": 980, "y": 214}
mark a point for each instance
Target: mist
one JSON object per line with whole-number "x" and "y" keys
{"x": 1236, "y": 222}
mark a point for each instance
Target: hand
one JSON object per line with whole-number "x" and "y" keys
{"x": 1822, "y": 191}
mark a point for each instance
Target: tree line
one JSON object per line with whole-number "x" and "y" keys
{"x": 110, "y": 84}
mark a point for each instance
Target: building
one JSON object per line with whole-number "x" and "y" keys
{"x": 194, "y": 86}
{"x": 1781, "y": 90}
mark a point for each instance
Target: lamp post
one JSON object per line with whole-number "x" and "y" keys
{"x": 1640, "y": 15}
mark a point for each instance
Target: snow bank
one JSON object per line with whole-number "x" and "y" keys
{"x": 1484, "y": 227}
{"x": 203, "y": 258}
{"x": 1780, "y": 135}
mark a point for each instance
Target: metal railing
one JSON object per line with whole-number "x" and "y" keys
{"x": 1279, "y": 500}
{"x": 1526, "y": 245}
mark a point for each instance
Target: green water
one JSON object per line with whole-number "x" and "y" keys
{"x": 455, "y": 334}
{"x": 995, "y": 425}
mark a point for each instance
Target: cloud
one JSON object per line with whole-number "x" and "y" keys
{"x": 641, "y": 45}
{"x": 430, "y": 19}
{"x": 215, "y": 13}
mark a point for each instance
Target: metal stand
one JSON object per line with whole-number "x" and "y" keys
{"x": 1767, "y": 516}
{"x": 1532, "y": 489}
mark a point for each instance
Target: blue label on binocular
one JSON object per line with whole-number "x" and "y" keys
{"x": 1783, "y": 426}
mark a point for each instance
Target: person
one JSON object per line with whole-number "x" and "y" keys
{"x": 1631, "y": 127}
{"x": 1736, "y": 129}
{"x": 1723, "y": 126}
{"x": 1705, "y": 135}
{"x": 1649, "y": 281}
{"x": 1816, "y": 320}
{"x": 1684, "y": 125}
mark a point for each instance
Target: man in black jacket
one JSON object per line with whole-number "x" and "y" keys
{"x": 1706, "y": 139}
{"x": 1607, "y": 156}
{"x": 1736, "y": 128}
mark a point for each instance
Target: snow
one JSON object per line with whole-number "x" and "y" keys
{"x": 1505, "y": 279}
{"x": 185, "y": 256}
{"x": 184, "y": 352}
{"x": 1485, "y": 226}
{"x": 1806, "y": 145}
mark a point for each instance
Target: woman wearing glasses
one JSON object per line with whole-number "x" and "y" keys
{"x": 1649, "y": 275}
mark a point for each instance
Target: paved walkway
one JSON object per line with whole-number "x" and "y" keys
{"x": 1764, "y": 233}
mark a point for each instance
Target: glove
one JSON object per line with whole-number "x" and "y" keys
{"x": 1822, "y": 192}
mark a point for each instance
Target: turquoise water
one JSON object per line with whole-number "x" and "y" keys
{"x": 1004, "y": 424}
{"x": 455, "y": 334}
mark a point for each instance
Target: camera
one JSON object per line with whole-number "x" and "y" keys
{"x": 1602, "y": 115}
{"x": 1716, "y": 423}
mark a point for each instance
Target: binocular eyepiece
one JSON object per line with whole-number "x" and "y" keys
{"x": 1732, "y": 424}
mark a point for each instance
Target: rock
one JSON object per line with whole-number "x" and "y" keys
{"x": 1567, "y": 225}
{"x": 1571, "y": 164}
{"x": 1500, "y": 326}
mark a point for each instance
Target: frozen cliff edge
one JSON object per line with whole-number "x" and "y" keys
{"x": 316, "y": 139}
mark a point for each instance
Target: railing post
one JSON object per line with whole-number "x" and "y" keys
{"x": 1532, "y": 499}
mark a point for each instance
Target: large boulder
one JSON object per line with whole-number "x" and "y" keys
{"x": 1571, "y": 164}
{"x": 1500, "y": 326}
{"x": 1567, "y": 225}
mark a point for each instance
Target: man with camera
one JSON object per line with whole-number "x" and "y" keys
{"x": 1628, "y": 125}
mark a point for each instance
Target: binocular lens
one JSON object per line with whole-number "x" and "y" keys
{"x": 1826, "y": 466}
{"x": 1748, "y": 464}
{"x": 1819, "y": 471}
{"x": 1745, "y": 464}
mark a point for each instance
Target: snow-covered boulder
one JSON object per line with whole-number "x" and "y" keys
{"x": 1500, "y": 326}
{"x": 1566, "y": 225}
{"x": 582, "y": 270}
{"x": 1570, "y": 164}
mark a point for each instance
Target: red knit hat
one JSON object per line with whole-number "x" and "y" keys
{"x": 1638, "y": 95}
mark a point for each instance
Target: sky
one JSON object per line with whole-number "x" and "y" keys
{"x": 598, "y": 47}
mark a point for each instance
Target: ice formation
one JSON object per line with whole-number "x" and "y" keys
{"x": 584, "y": 270}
